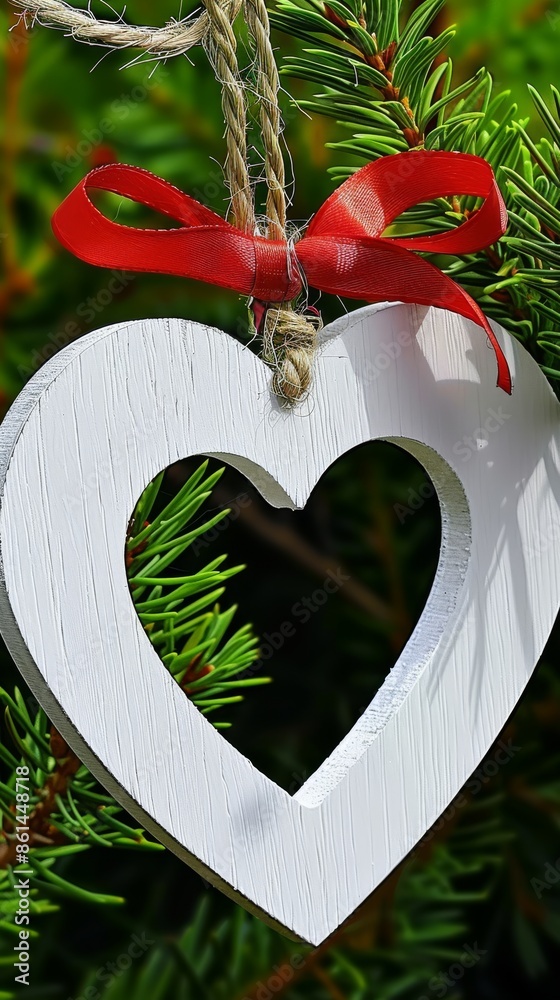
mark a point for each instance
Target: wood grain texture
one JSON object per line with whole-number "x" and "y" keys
{"x": 96, "y": 424}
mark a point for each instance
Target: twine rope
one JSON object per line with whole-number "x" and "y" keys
{"x": 172, "y": 39}
{"x": 289, "y": 337}
{"x": 221, "y": 45}
{"x": 267, "y": 88}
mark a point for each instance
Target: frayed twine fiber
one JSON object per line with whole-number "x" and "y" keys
{"x": 174, "y": 38}
{"x": 290, "y": 342}
{"x": 290, "y": 339}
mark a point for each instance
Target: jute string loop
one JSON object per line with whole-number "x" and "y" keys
{"x": 289, "y": 337}
{"x": 267, "y": 87}
{"x": 173, "y": 39}
{"x": 221, "y": 45}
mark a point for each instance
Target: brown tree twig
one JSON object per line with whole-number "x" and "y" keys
{"x": 291, "y": 544}
{"x": 39, "y": 828}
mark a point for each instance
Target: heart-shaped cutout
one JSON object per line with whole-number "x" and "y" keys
{"x": 323, "y": 589}
{"x": 96, "y": 424}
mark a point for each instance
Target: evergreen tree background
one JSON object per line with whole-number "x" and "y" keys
{"x": 475, "y": 911}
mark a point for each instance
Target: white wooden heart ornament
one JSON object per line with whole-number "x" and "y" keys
{"x": 99, "y": 421}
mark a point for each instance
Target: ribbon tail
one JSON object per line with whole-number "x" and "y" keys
{"x": 471, "y": 310}
{"x": 377, "y": 270}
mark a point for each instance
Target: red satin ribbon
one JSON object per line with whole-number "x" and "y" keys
{"x": 343, "y": 250}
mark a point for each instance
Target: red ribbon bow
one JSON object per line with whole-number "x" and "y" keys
{"x": 343, "y": 250}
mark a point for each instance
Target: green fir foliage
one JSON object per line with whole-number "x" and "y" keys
{"x": 386, "y": 79}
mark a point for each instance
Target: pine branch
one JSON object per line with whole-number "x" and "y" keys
{"x": 388, "y": 81}
{"x": 390, "y": 84}
{"x": 190, "y": 635}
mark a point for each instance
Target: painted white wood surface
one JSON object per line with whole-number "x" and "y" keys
{"x": 98, "y": 422}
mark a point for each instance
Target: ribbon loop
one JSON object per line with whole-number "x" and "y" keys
{"x": 343, "y": 251}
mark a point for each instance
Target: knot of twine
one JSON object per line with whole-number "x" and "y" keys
{"x": 290, "y": 342}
